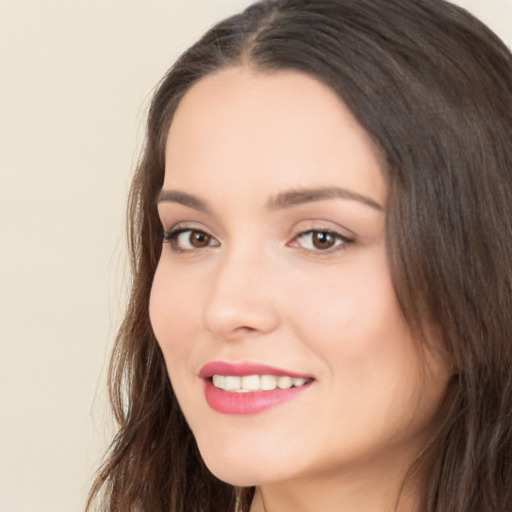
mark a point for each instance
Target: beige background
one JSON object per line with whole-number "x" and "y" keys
{"x": 75, "y": 79}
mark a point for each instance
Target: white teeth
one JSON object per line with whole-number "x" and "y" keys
{"x": 232, "y": 383}
{"x": 268, "y": 382}
{"x": 256, "y": 382}
{"x": 284, "y": 382}
{"x": 250, "y": 383}
{"x": 218, "y": 381}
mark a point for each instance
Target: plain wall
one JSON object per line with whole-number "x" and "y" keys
{"x": 75, "y": 80}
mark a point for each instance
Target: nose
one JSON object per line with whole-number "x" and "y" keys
{"x": 241, "y": 300}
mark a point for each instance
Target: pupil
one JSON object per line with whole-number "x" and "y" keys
{"x": 323, "y": 240}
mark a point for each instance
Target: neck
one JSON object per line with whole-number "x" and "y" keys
{"x": 340, "y": 492}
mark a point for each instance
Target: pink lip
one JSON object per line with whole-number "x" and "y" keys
{"x": 241, "y": 369}
{"x": 253, "y": 402}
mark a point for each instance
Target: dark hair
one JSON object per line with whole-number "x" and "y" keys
{"x": 433, "y": 88}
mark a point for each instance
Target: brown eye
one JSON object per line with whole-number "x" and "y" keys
{"x": 183, "y": 240}
{"x": 199, "y": 239}
{"x": 323, "y": 240}
{"x": 317, "y": 240}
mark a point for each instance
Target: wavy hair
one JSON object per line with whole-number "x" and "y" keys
{"x": 433, "y": 88}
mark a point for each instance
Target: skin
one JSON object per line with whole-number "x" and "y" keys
{"x": 260, "y": 290}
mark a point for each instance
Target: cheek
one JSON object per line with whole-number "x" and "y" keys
{"x": 354, "y": 323}
{"x": 172, "y": 314}
{"x": 174, "y": 318}
{"x": 351, "y": 311}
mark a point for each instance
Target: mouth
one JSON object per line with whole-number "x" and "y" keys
{"x": 247, "y": 388}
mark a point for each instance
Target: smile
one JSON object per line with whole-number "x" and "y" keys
{"x": 249, "y": 388}
{"x": 252, "y": 383}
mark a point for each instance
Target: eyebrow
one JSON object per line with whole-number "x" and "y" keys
{"x": 176, "y": 196}
{"x": 281, "y": 201}
{"x": 301, "y": 196}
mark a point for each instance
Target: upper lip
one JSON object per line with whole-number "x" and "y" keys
{"x": 242, "y": 369}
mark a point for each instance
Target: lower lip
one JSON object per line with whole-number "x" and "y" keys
{"x": 228, "y": 402}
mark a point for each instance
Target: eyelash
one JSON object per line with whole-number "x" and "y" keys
{"x": 340, "y": 241}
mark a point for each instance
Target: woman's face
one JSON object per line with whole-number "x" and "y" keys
{"x": 274, "y": 274}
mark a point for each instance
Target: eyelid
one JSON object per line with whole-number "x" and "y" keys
{"x": 182, "y": 226}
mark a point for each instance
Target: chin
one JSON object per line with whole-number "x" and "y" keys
{"x": 241, "y": 466}
{"x": 239, "y": 474}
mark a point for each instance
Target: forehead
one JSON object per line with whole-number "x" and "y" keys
{"x": 268, "y": 129}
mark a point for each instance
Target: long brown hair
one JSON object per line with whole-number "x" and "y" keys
{"x": 433, "y": 88}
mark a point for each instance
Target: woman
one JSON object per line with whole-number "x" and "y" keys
{"x": 320, "y": 231}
